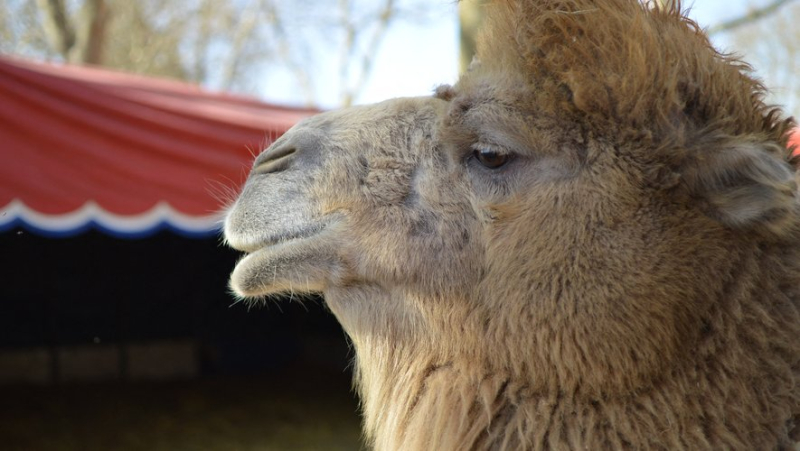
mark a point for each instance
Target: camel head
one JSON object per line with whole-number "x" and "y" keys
{"x": 584, "y": 219}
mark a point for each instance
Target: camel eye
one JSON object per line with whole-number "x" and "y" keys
{"x": 490, "y": 158}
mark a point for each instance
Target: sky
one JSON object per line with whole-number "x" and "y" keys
{"x": 415, "y": 58}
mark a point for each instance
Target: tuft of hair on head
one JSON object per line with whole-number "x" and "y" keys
{"x": 621, "y": 66}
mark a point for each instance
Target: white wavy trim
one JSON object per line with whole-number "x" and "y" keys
{"x": 162, "y": 213}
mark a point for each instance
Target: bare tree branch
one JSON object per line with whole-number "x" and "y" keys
{"x": 206, "y": 15}
{"x": 348, "y": 46}
{"x": 210, "y": 41}
{"x": 364, "y": 65}
{"x": 56, "y": 26}
{"x": 750, "y": 17}
{"x": 90, "y": 27}
{"x": 244, "y": 32}
{"x": 301, "y": 74}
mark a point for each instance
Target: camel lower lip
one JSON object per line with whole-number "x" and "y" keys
{"x": 246, "y": 277}
{"x": 256, "y": 269}
{"x": 280, "y": 238}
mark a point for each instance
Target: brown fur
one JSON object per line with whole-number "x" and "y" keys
{"x": 628, "y": 280}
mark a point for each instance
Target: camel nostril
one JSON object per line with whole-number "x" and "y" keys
{"x": 274, "y": 161}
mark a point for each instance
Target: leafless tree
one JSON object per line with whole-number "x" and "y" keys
{"x": 363, "y": 62}
{"x": 78, "y": 39}
{"x": 771, "y": 43}
{"x": 752, "y": 16}
{"x": 224, "y": 44}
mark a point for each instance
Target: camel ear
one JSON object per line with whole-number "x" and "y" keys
{"x": 746, "y": 185}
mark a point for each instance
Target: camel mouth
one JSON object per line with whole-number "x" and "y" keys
{"x": 283, "y": 261}
{"x": 250, "y": 243}
{"x": 285, "y": 237}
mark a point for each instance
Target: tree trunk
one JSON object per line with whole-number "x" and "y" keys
{"x": 57, "y": 28}
{"x": 78, "y": 41}
{"x": 89, "y": 31}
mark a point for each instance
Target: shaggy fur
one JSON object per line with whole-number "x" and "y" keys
{"x": 629, "y": 278}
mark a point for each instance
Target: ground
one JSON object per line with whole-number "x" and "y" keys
{"x": 298, "y": 409}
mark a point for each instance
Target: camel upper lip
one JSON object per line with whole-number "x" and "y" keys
{"x": 250, "y": 246}
{"x": 272, "y": 240}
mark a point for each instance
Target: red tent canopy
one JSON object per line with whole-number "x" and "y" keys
{"x": 83, "y": 147}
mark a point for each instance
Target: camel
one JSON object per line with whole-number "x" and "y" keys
{"x": 589, "y": 241}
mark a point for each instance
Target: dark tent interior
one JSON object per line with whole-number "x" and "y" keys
{"x": 277, "y": 372}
